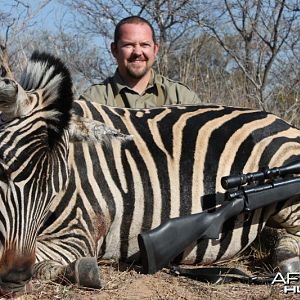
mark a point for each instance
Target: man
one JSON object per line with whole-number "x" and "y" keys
{"x": 135, "y": 84}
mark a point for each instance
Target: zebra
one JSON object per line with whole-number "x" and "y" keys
{"x": 167, "y": 162}
{"x": 34, "y": 148}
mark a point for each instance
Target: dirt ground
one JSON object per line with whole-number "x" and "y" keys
{"x": 121, "y": 281}
{"x": 131, "y": 284}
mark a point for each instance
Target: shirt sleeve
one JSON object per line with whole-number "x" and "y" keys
{"x": 94, "y": 94}
{"x": 185, "y": 95}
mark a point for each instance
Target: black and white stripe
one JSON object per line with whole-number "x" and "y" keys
{"x": 172, "y": 167}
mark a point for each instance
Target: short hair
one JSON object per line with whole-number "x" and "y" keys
{"x": 132, "y": 20}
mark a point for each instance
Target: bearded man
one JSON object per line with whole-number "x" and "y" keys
{"x": 135, "y": 84}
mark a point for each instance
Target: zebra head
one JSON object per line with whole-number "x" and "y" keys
{"x": 34, "y": 144}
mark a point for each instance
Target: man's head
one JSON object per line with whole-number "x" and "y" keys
{"x": 134, "y": 47}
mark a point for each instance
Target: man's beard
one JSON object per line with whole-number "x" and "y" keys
{"x": 137, "y": 73}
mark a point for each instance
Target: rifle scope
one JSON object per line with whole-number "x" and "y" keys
{"x": 229, "y": 182}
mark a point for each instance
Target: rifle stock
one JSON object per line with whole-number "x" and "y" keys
{"x": 159, "y": 246}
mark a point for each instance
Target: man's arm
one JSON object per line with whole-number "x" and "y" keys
{"x": 95, "y": 93}
{"x": 186, "y": 95}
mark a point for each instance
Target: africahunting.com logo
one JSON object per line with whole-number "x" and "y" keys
{"x": 289, "y": 282}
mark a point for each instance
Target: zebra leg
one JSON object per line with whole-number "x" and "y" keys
{"x": 287, "y": 253}
{"x": 84, "y": 272}
{"x": 48, "y": 270}
{"x": 287, "y": 250}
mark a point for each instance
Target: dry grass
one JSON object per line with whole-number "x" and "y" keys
{"x": 125, "y": 282}
{"x": 131, "y": 285}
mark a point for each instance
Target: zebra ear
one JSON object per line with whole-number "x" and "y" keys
{"x": 14, "y": 101}
{"x": 83, "y": 129}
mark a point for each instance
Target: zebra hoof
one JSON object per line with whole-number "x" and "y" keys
{"x": 290, "y": 265}
{"x": 84, "y": 272}
{"x": 287, "y": 254}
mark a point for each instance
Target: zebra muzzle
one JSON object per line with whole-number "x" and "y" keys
{"x": 15, "y": 274}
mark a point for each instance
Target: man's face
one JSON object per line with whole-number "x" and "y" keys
{"x": 135, "y": 51}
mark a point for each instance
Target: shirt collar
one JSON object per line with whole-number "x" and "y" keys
{"x": 120, "y": 85}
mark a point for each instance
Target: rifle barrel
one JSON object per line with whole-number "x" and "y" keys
{"x": 257, "y": 196}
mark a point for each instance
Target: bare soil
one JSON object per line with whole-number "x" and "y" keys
{"x": 131, "y": 284}
{"x": 121, "y": 281}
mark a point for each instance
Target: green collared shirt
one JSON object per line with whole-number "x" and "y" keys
{"x": 160, "y": 91}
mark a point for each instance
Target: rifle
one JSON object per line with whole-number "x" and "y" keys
{"x": 244, "y": 193}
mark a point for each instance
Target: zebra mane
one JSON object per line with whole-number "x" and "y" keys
{"x": 48, "y": 73}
